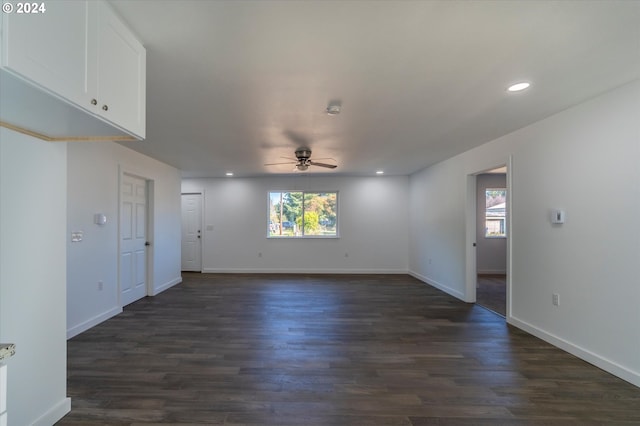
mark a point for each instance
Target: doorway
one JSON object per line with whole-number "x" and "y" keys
{"x": 191, "y": 232}
{"x": 488, "y": 237}
{"x": 491, "y": 240}
{"x": 134, "y": 236}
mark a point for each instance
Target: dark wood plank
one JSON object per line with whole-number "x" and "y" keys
{"x": 383, "y": 350}
{"x": 491, "y": 292}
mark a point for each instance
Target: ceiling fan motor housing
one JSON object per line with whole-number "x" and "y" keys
{"x": 303, "y": 161}
{"x": 303, "y": 153}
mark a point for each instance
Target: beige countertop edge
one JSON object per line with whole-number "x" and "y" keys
{"x": 7, "y": 350}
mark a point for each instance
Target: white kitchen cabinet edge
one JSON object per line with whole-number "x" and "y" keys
{"x": 49, "y": 85}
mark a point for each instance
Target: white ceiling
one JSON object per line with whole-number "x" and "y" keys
{"x": 232, "y": 85}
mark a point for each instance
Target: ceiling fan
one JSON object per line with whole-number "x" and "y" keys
{"x": 303, "y": 161}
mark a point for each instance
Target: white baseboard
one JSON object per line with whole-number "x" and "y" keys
{"x": 433, "y": 283}
{"x": 607, "y": 365}
{"x": 166, "y": 285}
{"x": 54, "y": 414}
{"x": 92, "y": 322}
{"x": 301, "y": 271}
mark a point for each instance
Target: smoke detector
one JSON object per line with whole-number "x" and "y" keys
{"x": 334, "y": 108}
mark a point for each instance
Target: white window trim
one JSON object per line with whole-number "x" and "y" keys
{"x": 304, "y": 237}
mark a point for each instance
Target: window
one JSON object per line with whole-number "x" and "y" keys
{"x": 303, "y": 214}
{"x": 495, "y": 213}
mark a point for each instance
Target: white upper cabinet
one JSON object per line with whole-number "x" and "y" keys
{"x": 122, "y": 63}
{"x": 54, "y": 56}
{"x": 82, "y": 55}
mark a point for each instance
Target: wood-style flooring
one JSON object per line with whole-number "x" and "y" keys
{"x": 491, "y": 292}
{"x": 328, "y": 350}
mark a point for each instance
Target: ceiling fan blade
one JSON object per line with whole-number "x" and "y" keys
{"x": 277, "y": 164}
{"x": 328, "y": 166}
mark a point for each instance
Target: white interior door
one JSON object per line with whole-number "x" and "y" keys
{"x": 133, "y": 238}
{"x": 192, "y": 232}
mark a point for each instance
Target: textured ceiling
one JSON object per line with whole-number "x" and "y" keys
{"x": 232, "y": 85}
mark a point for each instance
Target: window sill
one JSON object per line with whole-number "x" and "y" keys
{"x": 303, "y": 237}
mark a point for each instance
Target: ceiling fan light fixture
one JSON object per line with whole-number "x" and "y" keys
{"x": 379, "y": 172}
{"x": 303, "y": 161}
{"x": 518, "y": 87}
{"x": 228, "y": 174}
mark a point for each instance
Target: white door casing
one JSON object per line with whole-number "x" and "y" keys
{"x": 192, "y": 232}
{"x": 471, "y": 235}
{"x": 133, "y": 239}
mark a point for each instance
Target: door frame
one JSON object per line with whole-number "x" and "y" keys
{"x": 471, "y": 236}
{"x": 202, "y": 233}
{"x": 149, "y": 220}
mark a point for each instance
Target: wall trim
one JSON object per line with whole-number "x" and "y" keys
{"x": 601, "y": 362}
{"x": 54, "y": 414}
{"x": 157, "y": 290}
{"x": 92, "y": 322}
{"x": 433, "y": 283}
{"x": 301, "y": 271}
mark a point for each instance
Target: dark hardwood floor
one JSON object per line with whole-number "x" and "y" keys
{"x": 328, "y": 350}
{"x": 491, "y": 292}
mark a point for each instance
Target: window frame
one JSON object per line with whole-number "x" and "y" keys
{"x": 298, "y": 237}
{"x": 503, "y": 219}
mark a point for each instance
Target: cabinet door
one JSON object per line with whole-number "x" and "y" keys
{"x": 121, "y": 73}
{"x": 53, "y": 49}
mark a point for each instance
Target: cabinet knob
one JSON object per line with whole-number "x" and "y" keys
{"x": 94, "y": 102}
{"x": 105, "y": 107}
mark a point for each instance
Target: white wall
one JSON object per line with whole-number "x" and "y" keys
{"x": 491, "y": 253}
{"x": 372, "y": 216}
{"x": 93, "y": 173}
{"x": 584, "y": 160}
{"x": 33, "y": 276}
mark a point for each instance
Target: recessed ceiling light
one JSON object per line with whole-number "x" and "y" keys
{"x": 229, "y": 174}
{"x": 519, "y": 86}
{"x": 380, "y": 172}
